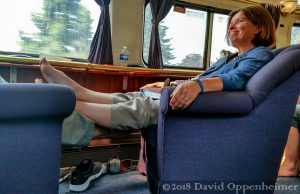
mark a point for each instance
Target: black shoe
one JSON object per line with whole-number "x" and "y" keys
{"x": 85, "y": 172}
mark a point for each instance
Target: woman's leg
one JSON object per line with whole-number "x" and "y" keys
{"x": 53, "y": 75}
{"x": 91, "y": 120}
{"x": 99, "y": 113}
{"x": 289, "y": 166}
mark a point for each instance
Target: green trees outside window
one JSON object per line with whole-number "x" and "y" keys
{"x": 64, "y": 29}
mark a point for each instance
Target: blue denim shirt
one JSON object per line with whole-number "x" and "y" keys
{"x": 238, "y": 71}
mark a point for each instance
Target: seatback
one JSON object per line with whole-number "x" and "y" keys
{"x": 240, "y": 147}
{"x": 31, "y": 118}
{"x": 285, "y": 63}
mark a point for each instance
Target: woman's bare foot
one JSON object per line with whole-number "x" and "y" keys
{"x": 55, "y": 76}
{"x": 48, "y": 71}
{"x": 288, "y": 169}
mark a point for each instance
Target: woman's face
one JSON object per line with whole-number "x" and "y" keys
{"x": 241, "y": 30}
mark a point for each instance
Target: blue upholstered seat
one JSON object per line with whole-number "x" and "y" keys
{"x": 31, "y": 117}
{"x": 230, "y": 137}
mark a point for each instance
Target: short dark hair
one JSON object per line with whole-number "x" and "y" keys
{"x": 258, "y": 15}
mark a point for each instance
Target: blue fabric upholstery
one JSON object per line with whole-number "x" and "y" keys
{"x": 229, "y": 137}
{"x": 31, "y": 116}
{"x": 274, "y": 73}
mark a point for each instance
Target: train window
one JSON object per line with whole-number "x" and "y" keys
{"x": 218, "y": 42}
{"x": 61, "y": 28}
{"x": 184, "y": 36}
{"x": 295, "y": 36}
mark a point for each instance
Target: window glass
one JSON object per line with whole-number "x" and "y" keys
{"x": 295, "y": 36}
{"x": 219, "y": 45}
{"x": 182, "y": 37}
{"x": 61, "y": 28}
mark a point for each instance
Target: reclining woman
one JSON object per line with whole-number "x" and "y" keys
{"x": 250, "y": 30}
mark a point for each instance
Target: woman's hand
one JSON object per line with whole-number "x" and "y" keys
{"x": 184, "y": 95}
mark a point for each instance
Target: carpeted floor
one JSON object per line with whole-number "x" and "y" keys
{"x": 131, "y": 182}
{"x": 288, "y": 185}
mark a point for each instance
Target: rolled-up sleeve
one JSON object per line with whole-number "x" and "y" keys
{"x": 247, "y": 66}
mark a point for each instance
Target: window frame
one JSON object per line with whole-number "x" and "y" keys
{"x": 208, "y": 40}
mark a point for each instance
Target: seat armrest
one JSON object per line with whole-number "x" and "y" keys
{"x": 28, "y": 100}
{"x": 213, "y": 103}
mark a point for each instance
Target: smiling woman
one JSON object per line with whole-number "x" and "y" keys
{"x": 254, "y": 26}
{"x": 242, "y": 31}
{"x": 25, "y": 31}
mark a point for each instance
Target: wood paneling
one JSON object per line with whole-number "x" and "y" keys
{"x": 99, "y": 78}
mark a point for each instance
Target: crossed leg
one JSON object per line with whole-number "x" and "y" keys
{"x": 95, "y": 105}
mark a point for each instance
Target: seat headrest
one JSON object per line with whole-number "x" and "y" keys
{"x": 284, "y": 64}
